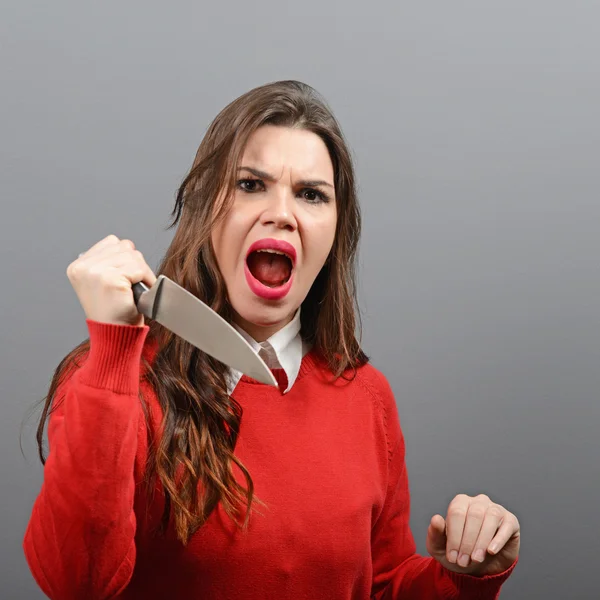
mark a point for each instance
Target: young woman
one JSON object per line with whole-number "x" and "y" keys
{"x": 171, "y": 476}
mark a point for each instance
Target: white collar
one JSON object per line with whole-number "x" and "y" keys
{"x": 283, "y": 350}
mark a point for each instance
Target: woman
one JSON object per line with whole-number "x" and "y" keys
{"x": 171, "y": 476}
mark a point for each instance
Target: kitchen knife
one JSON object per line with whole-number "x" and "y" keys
{"x": 191, "y": 319}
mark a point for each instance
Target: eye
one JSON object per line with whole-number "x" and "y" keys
{"x": 314, "y": 196}
{"x": 250, "y": 185}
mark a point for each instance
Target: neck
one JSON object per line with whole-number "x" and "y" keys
{"x": 258, "y": 332}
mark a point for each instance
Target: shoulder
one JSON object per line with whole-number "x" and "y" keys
{"x": 377, "y": 386}
{"x": 365, "y": 383}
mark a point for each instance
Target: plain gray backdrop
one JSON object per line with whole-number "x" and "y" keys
{"x": 476, "y": 133}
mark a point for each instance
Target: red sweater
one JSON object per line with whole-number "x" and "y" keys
{"x": 326, "y": 458}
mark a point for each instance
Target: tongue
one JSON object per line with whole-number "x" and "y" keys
{"x": 270, "y": 269}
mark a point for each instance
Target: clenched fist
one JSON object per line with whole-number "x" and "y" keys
{"x": 103, "y": 277}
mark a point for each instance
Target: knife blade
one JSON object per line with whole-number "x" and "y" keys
{"x": 187, "y": 316}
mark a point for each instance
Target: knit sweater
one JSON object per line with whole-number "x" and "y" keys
{"x": 327, "y": 459}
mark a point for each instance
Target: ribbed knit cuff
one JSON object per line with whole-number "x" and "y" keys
{"x": 479, "y": 587}
{"x": 114, "y": 358}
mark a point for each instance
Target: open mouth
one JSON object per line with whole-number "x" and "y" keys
{"x": 272, "y": 268}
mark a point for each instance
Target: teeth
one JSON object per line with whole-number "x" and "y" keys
{"x": 270, "y": 251}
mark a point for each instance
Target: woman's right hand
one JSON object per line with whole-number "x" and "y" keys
{"x": 103, "y": 277}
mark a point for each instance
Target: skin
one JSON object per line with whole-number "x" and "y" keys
{"x": 102, "y": 278}
{"x": 277, "y": 204}
{"x": 477, "y": 537}
{"x": 483, "y": 536}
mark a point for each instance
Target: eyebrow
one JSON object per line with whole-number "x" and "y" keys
{"x": 304, "y": 182}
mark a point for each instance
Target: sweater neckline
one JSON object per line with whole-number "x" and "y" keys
{"x": 309, "y": 361}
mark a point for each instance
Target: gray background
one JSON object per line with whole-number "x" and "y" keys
{"x": 476, "y": 135}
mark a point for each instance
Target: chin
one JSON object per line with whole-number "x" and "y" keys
{"x": 264, "y": 314}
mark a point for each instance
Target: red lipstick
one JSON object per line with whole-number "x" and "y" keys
{"x": 273, "y": 244}
{"x": 259, "y": 288}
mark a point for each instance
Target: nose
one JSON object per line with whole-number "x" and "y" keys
{"x": 280, "y": 211}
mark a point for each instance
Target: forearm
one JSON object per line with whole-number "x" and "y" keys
{"x": 423, "y": 578}
{"x": 80, "y": 539}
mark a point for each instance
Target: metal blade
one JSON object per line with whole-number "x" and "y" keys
{"x": 187, "y": 316}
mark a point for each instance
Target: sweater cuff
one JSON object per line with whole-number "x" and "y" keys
{"x": 488, "y": 586}
{"x": 114, "y": 357}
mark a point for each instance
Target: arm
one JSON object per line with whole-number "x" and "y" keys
{"x": 79, "y": 542}
{"x": 398, "y": 572}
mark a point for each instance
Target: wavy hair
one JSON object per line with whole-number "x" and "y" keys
{"x": 193, "y": 453}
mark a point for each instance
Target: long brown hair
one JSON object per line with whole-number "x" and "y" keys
{"x": 193, "y": 455}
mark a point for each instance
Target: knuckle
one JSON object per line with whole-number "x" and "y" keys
{"x": 482, "y": 497}
{"x": 460, "y": 500}
{"x": 112, "y": 238}
{"x": 495, "y": 511}
{"x": 508, "y": 517}
{"x": 73, "y": 269}
{"x": 456, "y": 511}
{"x": 128, "y": 244}
{"x": 122, "y": 285}
{"x": 478, "y": 512}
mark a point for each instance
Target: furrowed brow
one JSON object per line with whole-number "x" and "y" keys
{"x": 269, "y": 177}
{"x": 257, "y": 173}
{"x": 314, "y": 183}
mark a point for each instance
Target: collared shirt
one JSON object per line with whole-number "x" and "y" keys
{"x": 283, "y": 350}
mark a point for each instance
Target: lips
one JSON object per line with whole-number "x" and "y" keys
{"x": 275, "y": 246}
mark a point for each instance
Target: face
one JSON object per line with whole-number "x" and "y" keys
{"x": 280, "y": 229}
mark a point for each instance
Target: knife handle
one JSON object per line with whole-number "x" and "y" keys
{"x": 138, "y": 289}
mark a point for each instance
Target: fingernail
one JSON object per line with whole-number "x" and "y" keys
{"x": 477, "y": 555}
{"x": 463, "y": 561}
{"x": 453, "y": 556}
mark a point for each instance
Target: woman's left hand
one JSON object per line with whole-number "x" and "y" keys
{"x": 478, "y": 537}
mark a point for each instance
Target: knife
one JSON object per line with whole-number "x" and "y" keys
{"x": 191, "y": 319}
